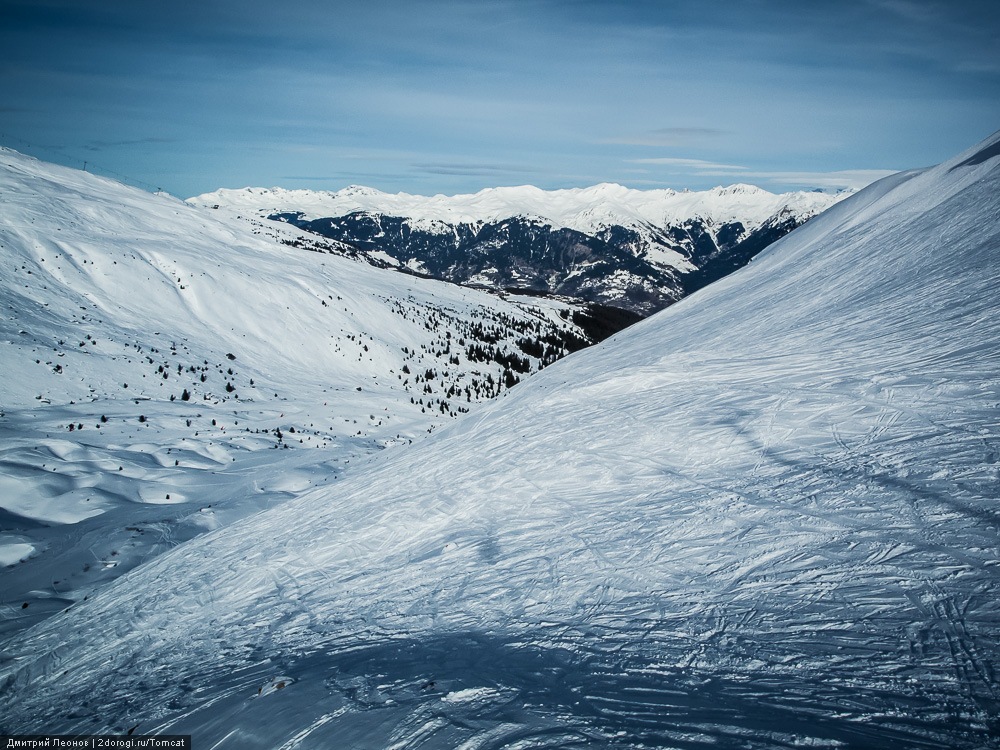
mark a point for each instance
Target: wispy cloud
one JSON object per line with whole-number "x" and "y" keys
{"x": 922, "y": 12}
{"x": 694, "y": 165}
{"x": 666, "y": 137}
{"x": 338, "y": 179}
{"x": 833, "y": 180}
{"x": 470, "y": 169}
{"x": 845, "y": 179}
{"x": 102, "y": 145}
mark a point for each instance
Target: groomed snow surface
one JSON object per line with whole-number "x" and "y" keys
{"x": 766, "y": 517}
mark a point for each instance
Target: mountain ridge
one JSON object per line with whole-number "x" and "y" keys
{"x": 639, "y": 250}
{"x": 583, "y": 209}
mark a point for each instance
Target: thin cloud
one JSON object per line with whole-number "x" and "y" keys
{"x": 666, "y": 137}
{"x": 352, "y": 177}
{"x": 304, "y": 178}
{"x": 102, "y": 145}
{"x": 471, "y": 170}
{"x": 978, "y": 66}
{"x": 846, "y": 179}
{"x": 922, "y": 13}
{"x": 697, "y": 165}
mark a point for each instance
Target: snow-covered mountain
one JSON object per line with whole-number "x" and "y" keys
{"x": 155, "y": 357}
{"x": 637, "y": 249}
{"x": 583, "y": 209}
{"x": 765, "y": 517}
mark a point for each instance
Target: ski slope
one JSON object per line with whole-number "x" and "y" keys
{"x": 766, "y": 517}
{"x": 165, "y": 370}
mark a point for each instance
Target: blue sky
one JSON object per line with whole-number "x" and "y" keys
{"x": 450, "y": 96}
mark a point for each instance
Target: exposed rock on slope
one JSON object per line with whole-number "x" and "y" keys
{"x": 638, "y": 250}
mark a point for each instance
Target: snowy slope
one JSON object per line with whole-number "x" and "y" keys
{"x": 155, "y": 356}
{"x": 765, "y": 517}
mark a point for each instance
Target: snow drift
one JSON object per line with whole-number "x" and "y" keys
{"x": 765, "y": 517}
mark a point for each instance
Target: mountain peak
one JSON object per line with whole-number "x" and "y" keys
{"x": 358, "y": 191}
{"x": 740, "y": 188}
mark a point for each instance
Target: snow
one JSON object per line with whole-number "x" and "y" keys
{"x": 656, "y": 218}
{"x": 14, "y": 552}
{"x": 583, "y": 209}
{"x": 765, "y": 517}
{"x": 116, "y": 303}
{"x": 68, "y": 501}
{"x": 384, "y": 257}
{"x": 471, "y": 694}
